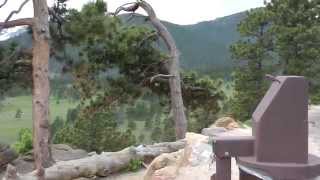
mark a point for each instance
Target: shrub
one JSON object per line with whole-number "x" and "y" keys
{"x": 98, "y": 134}
{"x": 134, "y": 165}
{"x": 141, "y": 138}
{"x": 18, "y": 114}
{"x": 57, "y": 124}
{"x": 24, "y": 143}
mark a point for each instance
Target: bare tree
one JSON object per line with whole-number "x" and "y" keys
{"x": 40, "y": 71}
{"x": 172, "y": 64}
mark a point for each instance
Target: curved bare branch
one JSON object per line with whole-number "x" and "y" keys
{"x": 161, "y": 76}
{"x": 11, "y": 14}
{"x": 4, "y": 3}
{"x": 125, "y": 7}
{"x": 16, "y": 11}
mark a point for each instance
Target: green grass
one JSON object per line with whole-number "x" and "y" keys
{"x": 10, "y": 126}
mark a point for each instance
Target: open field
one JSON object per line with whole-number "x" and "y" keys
{"x": 10, "y": 125}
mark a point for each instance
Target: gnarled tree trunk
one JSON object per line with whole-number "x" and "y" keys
{"x": 174, "y": 70}
{"x": 172, "y": 65}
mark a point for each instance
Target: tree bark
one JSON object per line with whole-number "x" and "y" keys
{"x": 99, "y": 165}
{"x": 40, "y": 71}
{"x": 41, "y": 87}
{"x": 174, "y": 70}
{"x": 18, "y": 22}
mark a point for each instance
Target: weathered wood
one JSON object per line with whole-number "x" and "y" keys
{"x": 40, "y": 101}
{"x": 99, "y": 165}
{"x": 40, "y": 63}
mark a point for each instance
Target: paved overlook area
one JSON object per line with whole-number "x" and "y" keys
{"x": 314, "y": 148}
{"x": 192, "y": 165}
{"x": 314, "y": 130}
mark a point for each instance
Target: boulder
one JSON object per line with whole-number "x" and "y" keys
{"x": 196, "y": 160}
{"x": 226, "y": 122}
{"x": 164, "y": 167}
{"x": 7, "y": 155}
{"x": 192, "y": 160}
{"x": 213, "y": 131}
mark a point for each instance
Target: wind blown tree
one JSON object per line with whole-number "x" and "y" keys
{"x": 40, "y": 101}
{"x": 171, "y": 64}
{"x": 106, "y": 47}
{"x": 118, "y": 65}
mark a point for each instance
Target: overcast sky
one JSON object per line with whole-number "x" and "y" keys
{"x": 175, "y": 11}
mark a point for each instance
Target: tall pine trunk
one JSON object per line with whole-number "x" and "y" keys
{"x": 41, "y": 87}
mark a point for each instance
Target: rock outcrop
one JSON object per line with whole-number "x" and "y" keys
{"x": 226, "y": 122}
{"x": 195, "y": 161}
{"x": 7, "y": 155}
{"x": 191, "y": 162}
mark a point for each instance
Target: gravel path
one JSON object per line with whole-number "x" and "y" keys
{"x": 314, "y": 130}
{"x": 127, "y": 176}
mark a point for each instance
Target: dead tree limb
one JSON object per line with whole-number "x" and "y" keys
{"x": 18, "y": 22}
{"x": 99, "y": 165}
{"x": 172, "y": 64}
{"x": 128, "y": 7}
{"x": 160, "y": 76}
{"x": 4, "y": 3}
{"x": 14, "y": 12}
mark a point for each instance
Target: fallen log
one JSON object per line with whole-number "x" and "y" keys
{"x": 100, "y": 165}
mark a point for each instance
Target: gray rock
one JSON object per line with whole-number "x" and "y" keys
{"x": 7, "y": 155}
{"x": 213, "y": 131}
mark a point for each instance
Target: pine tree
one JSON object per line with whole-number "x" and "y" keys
{"x": 254, "y": 59}
{"x": 296, "y": 35}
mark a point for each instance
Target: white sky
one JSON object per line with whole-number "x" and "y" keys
{"x": 175, "y": 11}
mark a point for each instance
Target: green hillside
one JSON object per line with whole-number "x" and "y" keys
{"x": 204, "y": 46}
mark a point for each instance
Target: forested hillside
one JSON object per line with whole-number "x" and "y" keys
{"x": 204, "y": 46}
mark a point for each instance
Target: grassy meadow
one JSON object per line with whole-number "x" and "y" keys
{"x": 10, "y": 125}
